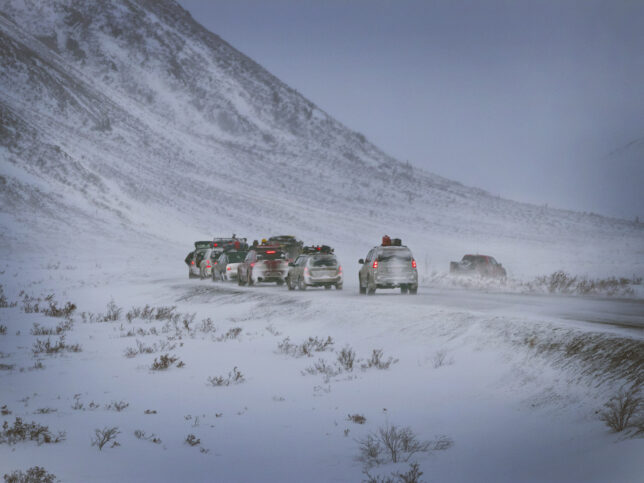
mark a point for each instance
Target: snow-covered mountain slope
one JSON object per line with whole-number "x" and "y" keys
{"x": 126, "y": 122}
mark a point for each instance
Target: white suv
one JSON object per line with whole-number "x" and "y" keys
{"x": 388, "y": 267}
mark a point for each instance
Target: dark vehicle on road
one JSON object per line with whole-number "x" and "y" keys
{"x": 263, "y": 263}
{"x": 225, "y": 266}
{"x": 482, "y": 265}
{"x": 232, "y": 243}
{"x": 291, "y": 246}
{"x": 315, "y": 267}
{"x": 388, "y": 266}
{"x": 194, "y": 258}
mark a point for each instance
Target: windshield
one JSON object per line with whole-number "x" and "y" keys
{"x": 236, "y": 257}
{"x": 395, "y": 256}
{"x": 323, "y": 261}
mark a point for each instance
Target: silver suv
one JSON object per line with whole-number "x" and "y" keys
{"x": 315, "y": 270}
{"x": 388, "y": 267}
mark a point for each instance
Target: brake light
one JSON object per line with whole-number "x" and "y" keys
{"x": 340, "y": 268}
{"x": 216, "y": 263}
{"x": 413, "y": 263}
{"x": 252, "y": 264}
{"x": 375, "y": 264}
{"x": 228, "y": 268}
{"x": 270, "y": 252}
{"x": 192, "y": 262}
{"x": 207, "y": 266}
{"x": 215, "y": 244}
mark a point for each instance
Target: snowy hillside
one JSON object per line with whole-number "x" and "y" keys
{"x": 127, "y": 122}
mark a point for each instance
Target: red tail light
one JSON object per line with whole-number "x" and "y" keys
{"x": 207, "y": 266}
{"x": 340, "y": 268}
{"x": 306, "y": 270}
{"x": 214, "y": 244}
{"x": 228, "y": 268}
{"x": 271, "y": 252}
{"x": 216, "y": 263}
{"x": 413, "y": 263}
{"x": 252, "y": 264}
{"x": 192, "y": 262}
{"x": 375, "y": 264}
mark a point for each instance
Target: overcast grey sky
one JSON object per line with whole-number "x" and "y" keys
{"x": 523, "y": 99}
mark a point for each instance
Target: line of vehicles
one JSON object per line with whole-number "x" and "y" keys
{"x": 285, "y": 260}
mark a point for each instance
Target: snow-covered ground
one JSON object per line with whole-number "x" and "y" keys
{"x": 509, "y": 402}
{"x": 127, "y": 131}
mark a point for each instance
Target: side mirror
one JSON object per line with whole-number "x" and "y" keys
{"x": 361, "y": 261}
{"x": 291, "y": 264}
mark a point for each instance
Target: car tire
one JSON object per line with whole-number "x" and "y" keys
{"x": 371, "y": 287}
{"x": 327, "y": 287}
{"x": 280, "y": 283}
{"x": 363, "y": 290}
{"x": 249, "y": 281}
{"x": 404, "y": 289}
{"x": 413, "y": 290}
{"x": 300, "y": 284}
{"x": 338, "y": 286}
{"x": 289, "y": 283}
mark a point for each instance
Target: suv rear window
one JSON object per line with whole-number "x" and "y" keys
{"x": 394, "y": 255}
{"x": 236, "y": 257}
{"x": 270, "y": 255}
{"x": 323, "y": 261}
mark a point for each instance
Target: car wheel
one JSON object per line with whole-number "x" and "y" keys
{"x": 189, "y": 274}
{"x": 403, "y": 289}
{"x": 250, "y": 279}
{"x": 301, "y": 285}
{"x": 289, "y": 283}
{"x": 280, "y": 283}
{"x": 371, "y": 287}
{"x": 413, "y": 290}
{"x": 363, "y": 290}
{"x": 338, "y": 286}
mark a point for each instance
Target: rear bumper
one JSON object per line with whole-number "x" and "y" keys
{"x": 385, "y": 281}
{"x": 322, "y": 281}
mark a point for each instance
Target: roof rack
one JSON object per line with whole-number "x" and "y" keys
{"x": 313, "y": 249}
{"x": 389, "y": 242}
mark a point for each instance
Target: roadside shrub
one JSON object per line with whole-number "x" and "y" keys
{"x": 192, "y": 440}
{"x": 234, "y": 377}
{"x": 140, "y": 348}
{"x": 306, "y": 348}
{"x": 230, "y": 334}
{"x": 165, "y": 361}
{"x": 105, "y": 436}
{"x": 393, "y": 444}
{"x": 48, "y": 347}
{"x": 35, "y": 474}
{"x": 54, "y": 311}
{"x": 117, "y": 406}
{"x": 346, "y": 358}
{"x": 60, "y": 329}
{"x": 620, "y": 409}
{"x": 563, "y": 283}
{"x": 28, "y": 432}
{"x": 3, "y": 329}
{"x": 357, "y": 418}
{"x": 152, "y": 438}
{"x": 113, "y": 312}
{"x": 376, "y": 360}
{"x": 410, "y": 476}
